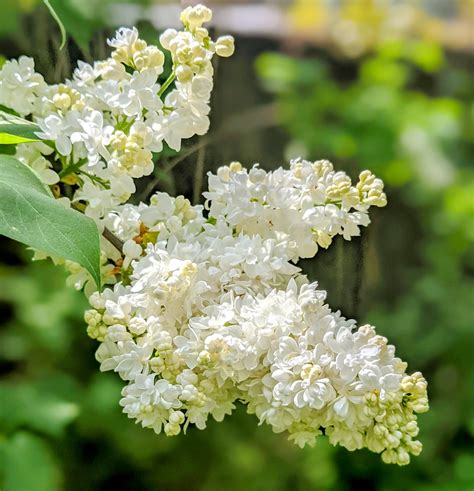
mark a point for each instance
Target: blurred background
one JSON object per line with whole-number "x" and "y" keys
{"x": 380, "y": 84}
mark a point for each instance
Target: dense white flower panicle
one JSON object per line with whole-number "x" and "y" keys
{"x": 213, "y": 311}
{"x": 106, "y": 123}
{"x": 307, "y": 205}
{"x": 205, "y": 305}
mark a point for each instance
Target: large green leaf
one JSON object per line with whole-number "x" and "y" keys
{"x": 14, "y": 129}
{"x": 29, "y": 214}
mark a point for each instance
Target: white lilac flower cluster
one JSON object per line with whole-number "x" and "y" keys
{"x": 212, "y": 310}
{"x": 207, "y": 305}
{"x": 108, "y": 120}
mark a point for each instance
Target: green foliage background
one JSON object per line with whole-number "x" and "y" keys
{"x": 404, "y": 111}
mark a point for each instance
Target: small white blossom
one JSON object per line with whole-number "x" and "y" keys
{"x": 20, "y": 85}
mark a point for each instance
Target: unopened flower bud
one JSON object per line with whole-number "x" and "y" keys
{"x": 225, "y": 46}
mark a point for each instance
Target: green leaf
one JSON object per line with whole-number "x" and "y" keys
{"x": 29, "y": 214}
{"x": 58, "y": 21}
{"x": 14, "y": 129}
{"x": 30, "y": 465}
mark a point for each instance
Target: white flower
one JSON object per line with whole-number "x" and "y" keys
{"x": 132, "y": 360}
{"x": 222, "y": 314}
{"x": 95, "y": 134}
{"x": 315, "y": 394}
{"x": 309, "y": 204}
{"x": 20, "y": 85}
{"x": 99, "y": 200}
{"x": 54, "y": 127}
{"x": 166, "y": 395}
{"x": 124, "y": 37}
{"x": 131, "y": 250}
{"x": 84, "y": 75}
{"x": 138, "y": 93}
{"x": 218, "y": 312}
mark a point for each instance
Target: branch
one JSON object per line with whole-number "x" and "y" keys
{"x": 113, "y": 239}
{"x": 108, "y": 235}
{"x": 199, "y": 174}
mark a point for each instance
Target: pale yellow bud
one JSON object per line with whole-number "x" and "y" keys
{"x": 235, "y": 166}
{"x": 415, "y": 447}
{"x": 204, "y": 358}
{"x": 322, "y": 167}
{"x": 225, "y": 46}
{"x": 138, "y": 45}
{"x": 389, "y": 456}
{"x": 121, "y": 55}
{"x": 194, "y": 17}
{"x": 403, "y": 457}
{"x": 70, "y": 179}
{"x": 200, "y": 34}
{"x": 62, "y": 101}
{"x": 172, "y": 429}
{"x": 176, "y": 418}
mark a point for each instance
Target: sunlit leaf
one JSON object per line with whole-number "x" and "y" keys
{"x": 14, "y": 129}
{"x": 29, "y": 214}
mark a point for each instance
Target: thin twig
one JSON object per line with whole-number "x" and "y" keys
{"x": 199, "y": 174}
{"x": 359, "y": 286}
{"x": 113, "y": 239}
{"x": 189, "y": 151}
{"x": 108, "y": 235}
{"x": 340, "y": 270}
{"x": 169, "y": 167}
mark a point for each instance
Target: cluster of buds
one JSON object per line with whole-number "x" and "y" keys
{"x": 135, "y": 52}
{"x": 192, "y": 49}
{"x": 65, "y": 98}
{"x": 131, "y": 151}
{"x": 371, "y": 189}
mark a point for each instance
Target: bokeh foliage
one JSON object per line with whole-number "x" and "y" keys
{"x": 404, "y": 111}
